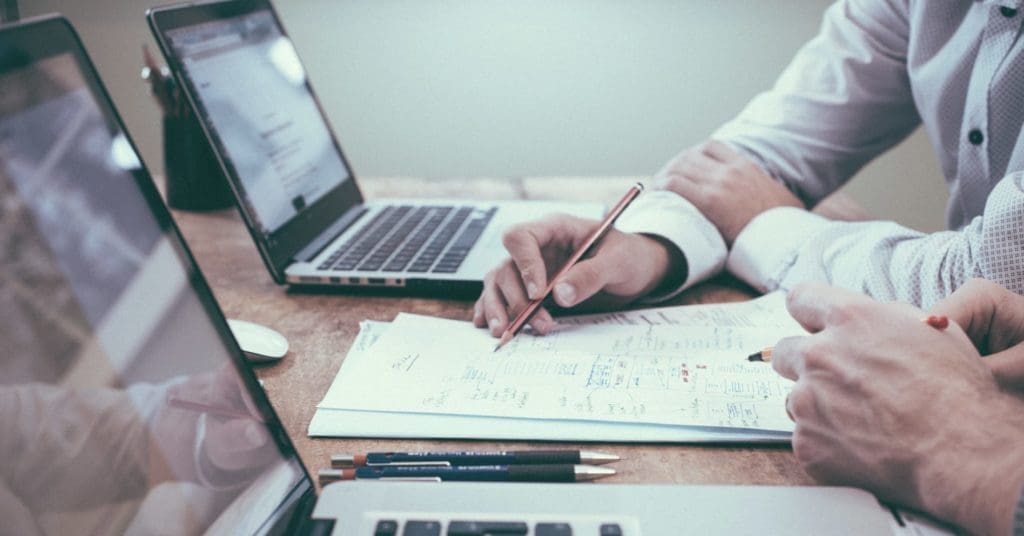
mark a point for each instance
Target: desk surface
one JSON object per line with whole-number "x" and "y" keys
{"x": 321, "y": 328}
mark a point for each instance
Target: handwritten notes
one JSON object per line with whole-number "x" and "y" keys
{"x": 688, "y": 369}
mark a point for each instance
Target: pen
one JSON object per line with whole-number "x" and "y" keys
{"x": 476, "y": 473}
{"x": 190, "y": 405}
{"x": 157, "y": 80}
{"x": 589, "y": 243}
{"x": 516, "y": 457}
{"x": 939, "y": 322}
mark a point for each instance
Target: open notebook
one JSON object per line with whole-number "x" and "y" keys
{"x": 672, "y": 374}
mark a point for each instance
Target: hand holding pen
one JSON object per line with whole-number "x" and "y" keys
{"x": 939, "y": 322}
{"x": 618, "y": 268}
{"x": 589, "y": 243}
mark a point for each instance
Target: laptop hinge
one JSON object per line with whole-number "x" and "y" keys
{"x": 325, "y": 238}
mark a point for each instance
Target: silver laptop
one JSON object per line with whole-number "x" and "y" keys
{"x": 126, "y": 404}
{"x": 291, "y": 180}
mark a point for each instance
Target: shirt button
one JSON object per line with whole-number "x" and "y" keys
{"x": 1008, "y": 12}
{"x": 975, "y": 137}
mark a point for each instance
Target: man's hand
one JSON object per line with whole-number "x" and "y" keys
{"x": 728, "y": 188}
{"x": 622, "y": 268}
{"x": 885, "y": 402}
{"x": 993, "y": 318}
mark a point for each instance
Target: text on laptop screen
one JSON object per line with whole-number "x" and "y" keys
{"x": 256, "y": 100}
{"x": 109, "y": 354}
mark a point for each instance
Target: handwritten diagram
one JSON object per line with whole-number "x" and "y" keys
{"x": 656, "y": 374}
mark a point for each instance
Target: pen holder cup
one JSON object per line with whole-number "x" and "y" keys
{"x": 194, "y": 178}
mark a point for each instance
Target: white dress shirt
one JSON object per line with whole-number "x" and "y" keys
{"x": 877, "y": 70}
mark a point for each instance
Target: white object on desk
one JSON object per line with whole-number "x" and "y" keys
{"x": 259, "y": 343}
{"x": 334, "y": 420}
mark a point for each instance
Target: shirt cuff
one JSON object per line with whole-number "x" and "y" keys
{"x": 768, "y": 246}
{"x": 673, "y": 218}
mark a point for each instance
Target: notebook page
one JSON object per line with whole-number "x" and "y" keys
{"x": 653, "y": 374}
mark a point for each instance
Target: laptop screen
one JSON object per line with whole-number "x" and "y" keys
{"x": 124, "y": 404}
{"x": 252, "y": 94}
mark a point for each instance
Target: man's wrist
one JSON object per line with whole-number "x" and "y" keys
{"x": 676, "y": 267}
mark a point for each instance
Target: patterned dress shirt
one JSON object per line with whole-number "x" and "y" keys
{"x": 877, "y": 70}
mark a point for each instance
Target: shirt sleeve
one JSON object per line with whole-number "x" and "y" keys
{"x": 786, "y": 246}
{"x": 844, "y": 99}
{"x": 671, "y": 217}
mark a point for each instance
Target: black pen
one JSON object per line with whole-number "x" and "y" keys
{"x": 513, "y": 457}
{"x": 476, "y": 473}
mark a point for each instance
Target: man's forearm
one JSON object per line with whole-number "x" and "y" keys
{"x": 784, "y": 247}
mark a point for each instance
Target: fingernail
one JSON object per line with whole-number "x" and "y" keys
{"x": 566, "y": 294}
{"x": 494, "y": 323}
{"x": 531, "y": 290}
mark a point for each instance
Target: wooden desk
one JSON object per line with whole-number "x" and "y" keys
{"x": 321, "y": 328}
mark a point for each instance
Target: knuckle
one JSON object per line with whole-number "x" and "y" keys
{"x": 795, "y": 295}
{"x": 838, "y": 314}
{"x": 801, "y": 403}
{"x": 815, "y": 355}
{"x": 560, "y": 219}
{"x": 711, "y": 195}
{"x": 514, "y": 236}
{"x": 494, "y": 275}
{"x": 671, "y": 182}
{"x": 801, "y": 446}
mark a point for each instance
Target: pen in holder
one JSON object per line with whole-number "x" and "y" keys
{"x": 194, "y": 179}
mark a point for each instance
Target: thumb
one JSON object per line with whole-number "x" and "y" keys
{"x": 582, "y": 281}
{"x": 1008, "y": 367}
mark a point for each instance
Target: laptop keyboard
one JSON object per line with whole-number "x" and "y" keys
{"x": 416, "y": 239}
{"x": 457, "y": 527}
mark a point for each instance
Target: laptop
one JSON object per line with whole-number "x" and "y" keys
{"x": 294, "y": 187}
{"x": 126, "y": 404}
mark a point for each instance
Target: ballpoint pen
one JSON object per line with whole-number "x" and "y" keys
{"x": 521, "y": 457}
{"x": 477, "y": 473}
{"x": 588, "y": 244}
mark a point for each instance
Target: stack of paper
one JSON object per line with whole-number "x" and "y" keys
{"x": 670, "y": 374}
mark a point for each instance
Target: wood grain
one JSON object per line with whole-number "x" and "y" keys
{"x": 321, "y": 327}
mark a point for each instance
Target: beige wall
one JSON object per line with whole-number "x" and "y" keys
{"x": 489, "y": 87}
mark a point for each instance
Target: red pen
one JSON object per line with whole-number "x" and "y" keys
{"x": 939, "y": 322}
